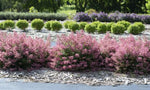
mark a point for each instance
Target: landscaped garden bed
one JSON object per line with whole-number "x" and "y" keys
{"x": 86, "y": 58}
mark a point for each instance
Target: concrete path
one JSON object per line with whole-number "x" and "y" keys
{"x": 5, "y": 84}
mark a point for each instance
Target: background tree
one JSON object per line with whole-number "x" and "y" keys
{"x": 81, "y": 5}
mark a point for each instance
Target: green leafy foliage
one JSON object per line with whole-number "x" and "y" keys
{"x": 90, "y": 11}
{"x": 22, "y": 24}
{"x": 48, "y": 25}
{"x": 82, "y": 25}
{"x": 101, "y": 28}
{"x": 90, "y": 28}
{"x": 73, "y": 26}
{"x": 117, "y": 29}
{"x": 141, "y": 26}
{"x": 37, "y": 24}
{"x": 56, "y": 26}
{"x": 134, "y": 29}
{"x": 2, "y": 25}
{"x": 125, "y": 23}
{"x": 31, "y": 16}
{"x": 9, "y": 24}
{"x": 109, "y": 25}
{"x": 96, "y": 23}
{"x": 66, "y": 24}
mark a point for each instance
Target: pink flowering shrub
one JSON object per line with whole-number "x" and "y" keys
{"x": 108, "y": 47}
{"x": 75, "y": 52}
{"x": 19, "y": 52}
{"x": 133, "y": 56}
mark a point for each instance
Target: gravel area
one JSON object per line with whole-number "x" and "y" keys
{"x": 89, "y": 78}
{"x": 96, "y": 78}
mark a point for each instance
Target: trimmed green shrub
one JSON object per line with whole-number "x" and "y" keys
{"x": 109, "y": 25}
{"x": 56, "y": 26}
{"x": 117, "y": 29}
{"x": 9, "y": 24}
{"x": 101, "y": 28}
{"x": 66, "y": 24}
{"x": 125, "y": 23}
{"x": 141, "y": 26}
{"x": 96, "y": 23}
{"x": 2, "y": 26}
{"x": 73, "y": 26}
{"x": 48, "y": 25}
{"x": 134, "y": 29}
{"x": 37, "y": 24}
{"x": 31, "y": 16}
{"x": 22, "y": 24}
{"x": 90, "y": 28}
{"x": 82, "y": 25}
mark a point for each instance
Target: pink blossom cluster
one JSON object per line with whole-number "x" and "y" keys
{"x": 132, "y": 56}
{"x": 76, "y": 52}
{"x": 21, "y": 52}
{"x": 82, "y": 52}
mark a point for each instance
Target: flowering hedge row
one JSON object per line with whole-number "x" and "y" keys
{"x": 19, "y": 52}
{"x": 75, "y": 52}
{"x": 117, "y": 16}
{"x": 82, "y": 52}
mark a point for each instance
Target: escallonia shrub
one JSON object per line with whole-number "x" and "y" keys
{"x": 141, "y": 26}
{"x": 132, "y": 56}
{"x": 48, "y": 25}
{"x": 21, "y": 52}
{"x": 56, "y": 26}
{"x": 75, "y": 52}
{"x": 82, "y": 25}
{"x": 118, "y": 29}
{"x": 109, "y": 25}
{"x": 9, "y": 24}
{"x": 101, "y": 28}
{"x": 108, "y": 47}
{"x": 22, "y": 24}
{"x": 90, "y": 28}
{"x": 37, "y": 24}
{"x": 134, "y": 29}
{"x": 73, "y": 26}
{"x": 125, "y": 23}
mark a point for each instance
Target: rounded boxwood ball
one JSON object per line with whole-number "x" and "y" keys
{"x": 117, "y": 29}
{"x": 22, "y": 24}
{"x": 134, "y": 29}
{"x": 101, "y": 28}
{"x": 37, "y": 24}
{"x": 56, "y": 26}
{"x": 90, "y": 28}
{"x": 109, "y": 25}
{"x": 141, "y": 26}
{"x": 73, "y": 26}
{"x": 82, "y": 25}
{"x": 9, "y": 24}
{"x": 48, "y": 25}
{"x": 125, "y": 23}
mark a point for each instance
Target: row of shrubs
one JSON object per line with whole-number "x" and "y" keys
{"x": 112, "y": 17}
{"x": 75, "y": 52}
{"x": 117, "y": 28}
{"x": 37, "y": 24}
{"x": 31, "y": 16}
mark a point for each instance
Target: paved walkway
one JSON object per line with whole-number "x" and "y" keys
{"x": 5, "y": 84}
